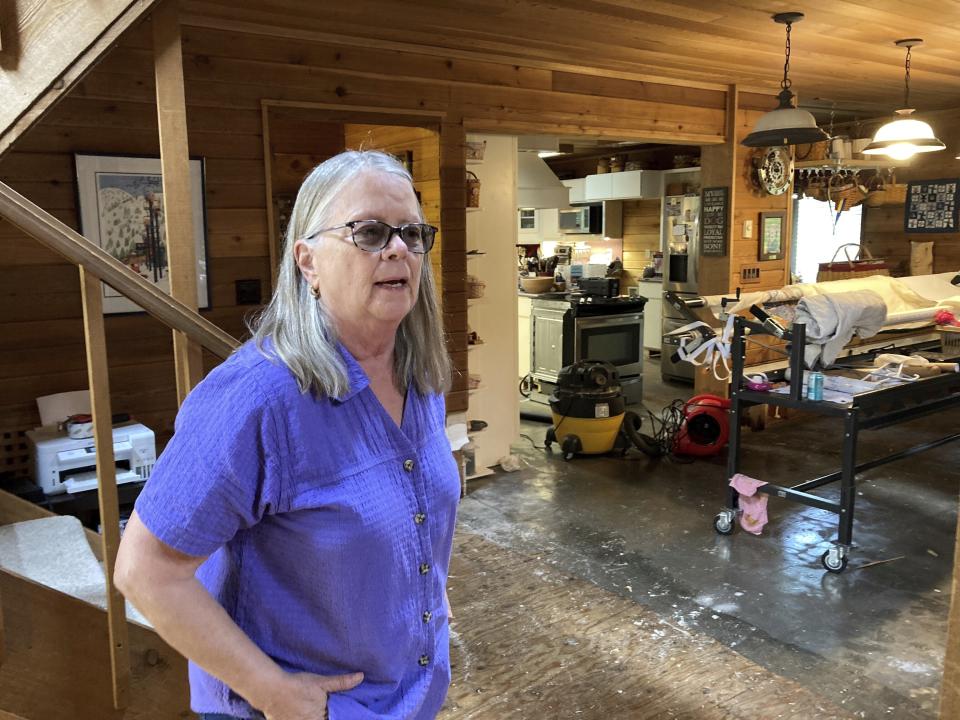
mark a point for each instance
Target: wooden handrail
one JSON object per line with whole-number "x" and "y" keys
{"x": 60, "y": 238}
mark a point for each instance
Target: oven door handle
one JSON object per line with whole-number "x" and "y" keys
{"x": 608, "y": 320}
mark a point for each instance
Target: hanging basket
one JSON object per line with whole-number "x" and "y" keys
{"x": 887, "y": 193}
{"x": 473, "y": 190}
{"x": 475, "y": 287}
{"x": 845, "y": 191}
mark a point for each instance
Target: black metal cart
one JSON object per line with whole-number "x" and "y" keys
{"x": 868, "y": 411}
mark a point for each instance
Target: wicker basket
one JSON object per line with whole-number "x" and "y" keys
{"x": 473, "y": 190}
{"x": 862, "y": 264}
{"x": 475, "y": 287}
{"x": 845, "y": 192}
{"x": 896, "y": 194}
{"x": 886, "y": 192}
{"x": 949, "y": 340}
{"x": 813, "y": 151}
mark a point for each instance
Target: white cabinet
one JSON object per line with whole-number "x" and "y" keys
{"x": 523, "y": 335}
{"x": 598, "y": 187}
{"x": 627, "y": 185}
{"x": 535, "y": 226}
{"x": 652, "y": 314}
{"x": 578, "y": 189}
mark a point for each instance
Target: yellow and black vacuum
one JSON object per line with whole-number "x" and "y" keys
{"x": 588, "y": 409}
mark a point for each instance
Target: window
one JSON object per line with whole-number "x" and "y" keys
{"x": 820, "y": 231}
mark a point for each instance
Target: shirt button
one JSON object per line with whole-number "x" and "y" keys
{"x": 408, "y": 465}
{"x": 419, "y": 518}
{"x": 424, "y": 568}
{"x": 424, "y": 660}
{"x": 427, "y": 615}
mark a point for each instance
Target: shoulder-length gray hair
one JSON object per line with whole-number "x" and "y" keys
{"x": 301, "y": 332}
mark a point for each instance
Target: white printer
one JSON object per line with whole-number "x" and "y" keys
{"x": 64, "y": 464}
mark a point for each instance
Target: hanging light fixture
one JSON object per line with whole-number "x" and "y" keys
{"x": 787, "y": 125}
{"x": 904, "y": 137}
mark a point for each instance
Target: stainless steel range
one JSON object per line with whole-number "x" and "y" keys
{"x": 565, "y": 329}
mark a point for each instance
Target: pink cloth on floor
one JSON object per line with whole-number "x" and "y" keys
{"x": 753, "y": 505}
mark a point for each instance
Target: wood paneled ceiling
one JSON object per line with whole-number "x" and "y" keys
{"x": 843, "y": 51}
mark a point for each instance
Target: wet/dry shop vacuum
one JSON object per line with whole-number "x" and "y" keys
{"x": 587, "y": 406}
{"x": 589, "y": 416}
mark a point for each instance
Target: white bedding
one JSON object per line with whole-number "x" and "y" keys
{"x": 910, "y": 301}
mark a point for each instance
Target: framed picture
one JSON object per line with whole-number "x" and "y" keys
{"x": 772, "y": 235}
{"x": 932, "y": 206}
{"x": 121, "y": 209}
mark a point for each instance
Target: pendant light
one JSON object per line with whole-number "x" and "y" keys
{"x": 787, "y": 125}
{"x": 904, "y": 137}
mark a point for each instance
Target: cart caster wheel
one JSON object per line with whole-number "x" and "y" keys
{"x": 834, "y": 560}
{"x": 723, "y": 524}
{"x": 550, "y": 439}
{"x": 570, "y": 447}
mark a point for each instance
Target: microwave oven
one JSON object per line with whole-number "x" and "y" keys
{"x": 585, "y": 219}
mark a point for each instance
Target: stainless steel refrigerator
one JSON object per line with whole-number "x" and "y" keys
{"x": 680, "y": 241}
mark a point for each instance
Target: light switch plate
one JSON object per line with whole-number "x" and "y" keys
{"x": 748, "y": 228}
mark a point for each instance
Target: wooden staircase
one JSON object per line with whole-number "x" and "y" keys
{"x": 62, "y": 658}
{"x": 47, "y": 47}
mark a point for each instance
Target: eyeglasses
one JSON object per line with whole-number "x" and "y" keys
{"x": 374, "y": 236}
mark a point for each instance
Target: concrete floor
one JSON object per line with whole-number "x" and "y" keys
{"x": 870, "y": 640}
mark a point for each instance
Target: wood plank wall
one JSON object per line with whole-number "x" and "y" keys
{"x": 641, "y": 238}
{"x": 731, "y": 166}
{"x": 227, "y": 74}
{"x": 882, "y": 227}
{"x": 749, "y": 203}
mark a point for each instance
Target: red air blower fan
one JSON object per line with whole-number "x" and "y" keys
{"x": 705, "y": 428}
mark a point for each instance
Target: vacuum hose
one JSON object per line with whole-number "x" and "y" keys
{"x": 643, "y": 443}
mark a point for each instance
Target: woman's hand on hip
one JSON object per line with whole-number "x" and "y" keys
{"x": 303, "y": 696}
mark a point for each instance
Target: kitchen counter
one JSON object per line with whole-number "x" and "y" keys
{"x": 552, "y": 294}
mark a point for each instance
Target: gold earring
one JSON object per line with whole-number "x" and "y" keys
{"x": 315, "y": 291}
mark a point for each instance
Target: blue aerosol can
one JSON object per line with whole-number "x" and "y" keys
{"x": 815, "y": 386}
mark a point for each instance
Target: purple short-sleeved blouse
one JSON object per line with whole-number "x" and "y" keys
{"x": 328, "y": 530}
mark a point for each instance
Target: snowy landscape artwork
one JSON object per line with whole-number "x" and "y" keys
{"x": 122, "y": 210}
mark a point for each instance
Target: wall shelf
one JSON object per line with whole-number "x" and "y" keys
{"x": 828, "y": 164}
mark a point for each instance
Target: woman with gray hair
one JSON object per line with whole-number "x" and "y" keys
{"x": 294, "y": 538}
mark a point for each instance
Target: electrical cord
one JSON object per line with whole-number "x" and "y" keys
{"x": 533, "y": 442}
{"x": 668, "y": 427}
{"x": 526, "y": 385}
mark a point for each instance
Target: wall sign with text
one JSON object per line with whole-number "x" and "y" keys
{"x": 932, "y": 206}
{"x": 714, "y": 209}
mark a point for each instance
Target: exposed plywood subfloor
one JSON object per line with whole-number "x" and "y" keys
{"x": 530, "y": 642}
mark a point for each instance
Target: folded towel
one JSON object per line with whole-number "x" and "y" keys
{"x": 753, "y": 505}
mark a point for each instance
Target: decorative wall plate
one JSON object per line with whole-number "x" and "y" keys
{"x": 775, "y": 169}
